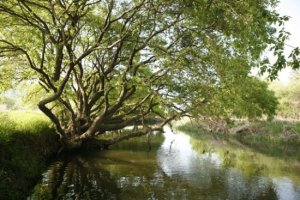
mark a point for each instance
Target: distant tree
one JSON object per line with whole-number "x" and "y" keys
{"x": 249, "y": 98}
{"x": 289, "y": 97}
{"x": 105, "y": 64}
{"x": 8, "y": 102}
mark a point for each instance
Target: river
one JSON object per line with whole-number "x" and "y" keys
{"x": 171, "y": 166}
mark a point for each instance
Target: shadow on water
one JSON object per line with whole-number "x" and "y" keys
{"x": 177, "y": 167}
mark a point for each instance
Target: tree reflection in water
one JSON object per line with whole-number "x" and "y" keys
{"x": 76, "y": 178}
{"x": 175, "y": 168}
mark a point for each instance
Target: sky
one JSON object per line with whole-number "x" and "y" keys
{"x": 290, "y": 8}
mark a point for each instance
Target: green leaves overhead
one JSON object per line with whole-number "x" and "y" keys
{"x": 132, "y": 59}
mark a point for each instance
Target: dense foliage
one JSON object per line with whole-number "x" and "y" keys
{"x": 105, "y": 65}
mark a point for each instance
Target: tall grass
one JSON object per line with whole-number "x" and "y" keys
{"x": 22, "y": 122}
{"x": 26, "y": 140}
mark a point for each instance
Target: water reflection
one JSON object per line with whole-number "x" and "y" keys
{"x": 76, "y": 178}
{"x": 177, "y": 167}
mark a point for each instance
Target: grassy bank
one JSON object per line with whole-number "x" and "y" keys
{"x": 274, "y": 138}
{"x": 232, "y": 154}
{"x": 26, "y": 141}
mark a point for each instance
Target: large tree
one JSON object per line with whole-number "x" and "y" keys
{"x": 107, "y": 64}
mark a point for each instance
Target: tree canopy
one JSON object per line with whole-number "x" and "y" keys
{"x": 103, "y": 65}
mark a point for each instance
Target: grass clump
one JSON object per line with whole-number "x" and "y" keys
{"x": 26, "y": 141}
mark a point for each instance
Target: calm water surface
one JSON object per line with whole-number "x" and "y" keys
{"x": 174, "y": 166}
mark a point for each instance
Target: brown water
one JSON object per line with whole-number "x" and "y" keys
{"x": 176, "y": 167}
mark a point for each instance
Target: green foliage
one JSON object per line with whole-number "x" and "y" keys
{"x": 107, "y": 61}
{"x": 188, "y": 56}
{"x": 26, "y": 140}
{"x": 32, "y": 94}
{"x": 6, "y": 77}
{"x": 255, "y": 100}
{"x": 289, "y": 98}
{"x": 248, "y": 98}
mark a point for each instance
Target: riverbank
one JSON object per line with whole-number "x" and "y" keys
{"x": 276, "y": 138}
{"x": 26, "y": 143}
